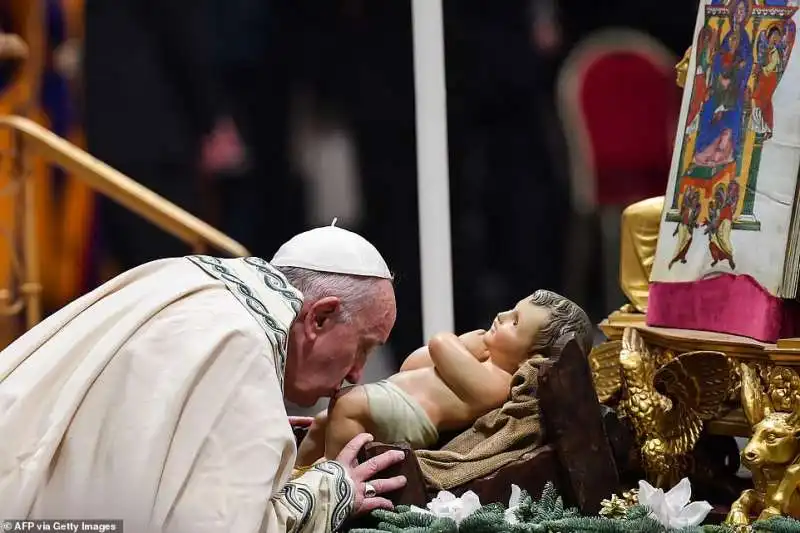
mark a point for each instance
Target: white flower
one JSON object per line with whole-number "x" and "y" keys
{"x": 673, "y": 509}
{"x": 513, "y": 504}
{"x": 446, "y": 505}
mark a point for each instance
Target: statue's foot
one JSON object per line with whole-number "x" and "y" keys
{"x": 737, "y": 518}
{"x": 769, "y": 512}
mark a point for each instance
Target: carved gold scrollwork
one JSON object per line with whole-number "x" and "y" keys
{"x": 783, "y": 387}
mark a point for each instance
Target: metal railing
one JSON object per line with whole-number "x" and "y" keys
{"x": 30, "y": 140}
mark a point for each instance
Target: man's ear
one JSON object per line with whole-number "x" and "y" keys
{"x": 320, "y": 315}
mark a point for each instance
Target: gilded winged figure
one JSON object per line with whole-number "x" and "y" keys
{"x": 666, "y": 406}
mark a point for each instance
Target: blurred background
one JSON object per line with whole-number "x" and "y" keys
{"x": 267, "y": 117}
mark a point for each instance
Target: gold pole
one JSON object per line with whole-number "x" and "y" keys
{"x": 31, "y": 288}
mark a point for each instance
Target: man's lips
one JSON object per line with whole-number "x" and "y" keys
{"x": 334, "y": 395}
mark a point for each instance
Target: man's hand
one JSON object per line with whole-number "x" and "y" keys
{"x": 223, "y": 149}
{"x": 546, "y": 36}
{"x": 362, "y": 475}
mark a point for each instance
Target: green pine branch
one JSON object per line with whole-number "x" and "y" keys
{"x": 547, "y": 515}
{"x": 779, "y": 524}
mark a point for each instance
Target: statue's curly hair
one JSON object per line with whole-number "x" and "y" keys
{"x": 565, "y": 317}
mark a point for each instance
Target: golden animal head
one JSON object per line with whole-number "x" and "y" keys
{"x": 775, "y": 441}
{"x": 776, "y": 435}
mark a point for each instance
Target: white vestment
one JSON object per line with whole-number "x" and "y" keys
{"x": 157, "y": 398}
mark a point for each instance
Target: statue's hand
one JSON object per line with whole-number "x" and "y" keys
{"x": 474, "y": 344}
{"x": 739, "y": 514}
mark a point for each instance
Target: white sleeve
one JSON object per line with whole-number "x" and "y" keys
{"x": 318, "y": 501}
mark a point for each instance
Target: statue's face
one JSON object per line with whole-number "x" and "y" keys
{"x": 774, "y": 442}
{"x": 513, "y": 332}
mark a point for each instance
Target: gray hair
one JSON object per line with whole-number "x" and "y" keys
{"x": 565, "y": 317}
{"x": 355, "y": 292}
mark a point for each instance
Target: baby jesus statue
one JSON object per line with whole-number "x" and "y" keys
{"x": 448, "y": 384}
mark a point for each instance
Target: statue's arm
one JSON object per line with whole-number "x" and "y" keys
{"x": 421, "y": 357}
{"x": 467, "y": 377}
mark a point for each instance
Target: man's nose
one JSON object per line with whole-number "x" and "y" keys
{"x": 356, "y": 374}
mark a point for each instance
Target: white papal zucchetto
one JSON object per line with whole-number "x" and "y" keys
{"x": 334, "y": 250}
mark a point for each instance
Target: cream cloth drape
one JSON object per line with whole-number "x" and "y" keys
{"x": 157, "y": 398}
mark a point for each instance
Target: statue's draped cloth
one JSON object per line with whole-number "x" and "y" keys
{"x": 157, "y": 398}
{"x": 495, "y": 440}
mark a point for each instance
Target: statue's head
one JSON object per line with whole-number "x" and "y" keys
{"x": 776, "y": 435}
{"x": 632, "y": 359}
{"x": 535, "y": 324}
{"x": 775, "y": 441}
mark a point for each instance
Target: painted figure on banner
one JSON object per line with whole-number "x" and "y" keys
{"x": 773, "y": 51}
{"x": 742, "y": 49}
{"x": 720, "y": 222}
{"x": 719, "y": 131}
{"x": 707, "y": 40}
{"x": 690, "y": 213}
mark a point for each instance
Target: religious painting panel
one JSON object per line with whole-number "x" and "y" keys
{"x": 734, "y": 171}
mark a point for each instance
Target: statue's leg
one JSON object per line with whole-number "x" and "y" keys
{"x": 312, "y": 446}
{"x": 749, "y": 503}
{"x": 781, "y": 501}
{"x": 348, "y": 417}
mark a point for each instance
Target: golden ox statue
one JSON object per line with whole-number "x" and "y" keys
{"x": 772, "y": 455}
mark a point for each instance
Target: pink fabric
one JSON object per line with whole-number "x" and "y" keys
{"x": 728, "y": 303}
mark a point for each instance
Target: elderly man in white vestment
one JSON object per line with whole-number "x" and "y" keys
{"x": 158, "y": 398}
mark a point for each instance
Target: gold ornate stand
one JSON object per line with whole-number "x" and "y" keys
{"x": 783, "y": 358}
{"x": 658, "y": 381}
{"x": 673, "y": 384}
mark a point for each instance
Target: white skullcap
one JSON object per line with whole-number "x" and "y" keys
{"x": 334, "y": 250}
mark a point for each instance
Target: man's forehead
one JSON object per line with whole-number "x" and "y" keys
{"x": 378, "y": 327}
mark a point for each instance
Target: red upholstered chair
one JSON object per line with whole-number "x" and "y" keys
{"x": 619, "y": 105}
